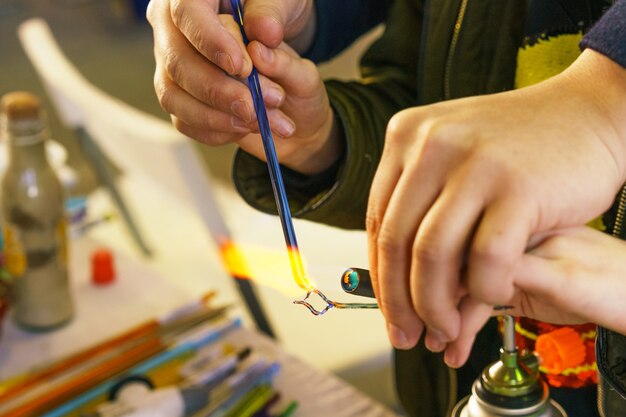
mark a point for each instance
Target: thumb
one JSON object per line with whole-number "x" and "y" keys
{"x": 300, "y": 77}
{"x": 539, "y": 276}
{"x": 273, "y": 21}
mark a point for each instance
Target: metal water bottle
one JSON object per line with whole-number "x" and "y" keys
{"x": 510, "y": 387}
{"x": 34, "y": 223}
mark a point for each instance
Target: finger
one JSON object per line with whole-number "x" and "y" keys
{"x": 539, "y": 276}
{"x": 205, "y": 30}
{"x": 208, "y": 137}
{"x": 393, "y": 247}
{"x": 193, "y": 112}
{"x": 407, "y": 206}
{"x": 299, "y": 77}
{"x": 271, "y": 22}
{"x": 381, "y": 190}
{"x": 199, "y": 77}
{"x": 498, "y": 243}
{"x": 474, "y": 315}
{"x": 398, "y": 201}
{"x": 439, "y": 257}
{"x": 273, "y": 93}
{"x": 207, "y": 83}
{"x": 281, "y": 124}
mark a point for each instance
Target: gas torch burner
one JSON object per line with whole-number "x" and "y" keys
{"x": 512, "y": 386}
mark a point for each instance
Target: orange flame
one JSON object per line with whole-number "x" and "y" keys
{"x": 267, "y": 267}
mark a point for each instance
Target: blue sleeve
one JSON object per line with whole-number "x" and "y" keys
{"x": 608, "y": 36}
{"x": 341, "y": 22}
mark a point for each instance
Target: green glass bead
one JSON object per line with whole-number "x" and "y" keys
{"x": 350, "y": 280}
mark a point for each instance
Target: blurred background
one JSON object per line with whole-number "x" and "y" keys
{"x": 110, "y": 42}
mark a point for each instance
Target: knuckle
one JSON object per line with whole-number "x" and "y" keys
{"x": 177, "y": 10}
{"x": 180, "y": 125}
{"x": 372, "y": 221}
{"x": 413, "y": 129}
{"x": 164, "y": 94}
{"x": 311, "y": 77}
{"x": 172, "y": 63}
{"x": 491, "y": 252}
{"x": 389, "y": 246}
{"x": 151, "y": 12}
{"x": 435, "y": 133}
{"x": 202, "y": 44}
{"x": 211, "y": 94}
{"x": 396, "y": 128}
{"x": 428, "y": 250}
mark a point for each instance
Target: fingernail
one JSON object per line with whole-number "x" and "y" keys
{"x": 225, "y": 62}
{"x": 435, "y": 340}
{"x": 434, "y": 344}
{"x": 274, "y": 97}
{"x": 265, "y": 52}
{"x": 285, "y": 127}
{"x": 450, "y": 359}
{"x": 397, "y": 337}
{"x": 241, "y": 109}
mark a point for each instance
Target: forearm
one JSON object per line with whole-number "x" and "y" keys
{"x": 601, "y": 83}
{"x": 607, "y": 69}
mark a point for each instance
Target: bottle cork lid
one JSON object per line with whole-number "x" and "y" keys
{"x": 21, "y": 105}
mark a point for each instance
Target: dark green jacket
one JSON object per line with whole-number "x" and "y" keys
{"x": 430, "y": 51}
{"x": 397, "y": 76}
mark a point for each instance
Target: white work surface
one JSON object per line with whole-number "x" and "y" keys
{"x": 186, "y": 264}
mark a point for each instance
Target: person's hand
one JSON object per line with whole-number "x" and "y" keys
{"x": 463, "y": 185}
{"x": 200, "y": 60}
{"x": 573, "y": 276}
{"x": 313, "y": 143}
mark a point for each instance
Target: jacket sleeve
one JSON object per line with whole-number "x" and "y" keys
{"x": 611, "y": 359}
{"x": 608, "y": 36}
{"x": 363, "y": 108}
{"x": 339, "y": 23}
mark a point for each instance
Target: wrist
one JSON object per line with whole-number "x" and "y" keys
{"x": 602, "y": 85}
{"x": 320, "y": 152}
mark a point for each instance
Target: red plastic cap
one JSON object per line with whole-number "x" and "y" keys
{"x": 102, "y": 268}
{"x": 560, "y": 349}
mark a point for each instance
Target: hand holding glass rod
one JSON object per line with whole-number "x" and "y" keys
{"x": 279, "y": 188}
{"x": 276, "y": 178}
